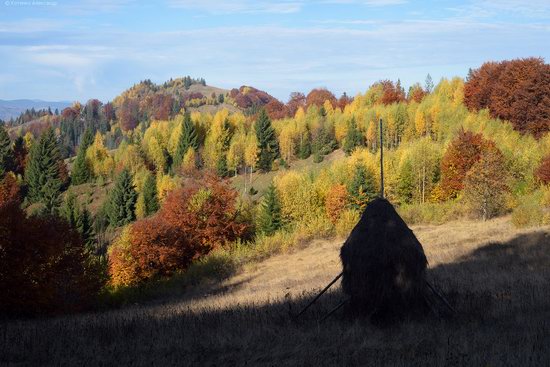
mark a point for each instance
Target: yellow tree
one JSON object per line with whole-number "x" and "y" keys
{"x": 99, "y": 158}
{"x": 250, "y": 155}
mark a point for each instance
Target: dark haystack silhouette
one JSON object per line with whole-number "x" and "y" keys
{"x": 384, "y": 266}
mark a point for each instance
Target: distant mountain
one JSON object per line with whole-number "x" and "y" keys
{"x": 14, "y": 108}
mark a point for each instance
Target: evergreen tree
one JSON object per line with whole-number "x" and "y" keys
{"x": 353, "y": 138}
{"x": 406, "y": 183}
{"x": 221, "y": 166}
{"x": 79, "y": 219}
{"x": 221, "y": 98}
{"x": 42, "y": 173}
{"x": 150, "y": 196}
{"x": 69, "y": 210}
{"x": 188, "y": 139}
{"x": 267, "y": 142}
{"x": 85, "y": 226}
{"x": 429, "y": 86}
{"x": 122, "y": 200}
{"x": 6, "y": 152}
{"x": 269, "y": 218}
{"x": 362, "y": 187}
{"x": 82, "y": 172}
{"x": 304, "y": 146}
{"x": 225, "y": 140}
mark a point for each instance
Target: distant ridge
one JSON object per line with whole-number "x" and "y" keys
{"x": 13, "y": 108}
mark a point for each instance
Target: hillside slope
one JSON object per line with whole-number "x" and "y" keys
{"x": 495, "y": 276}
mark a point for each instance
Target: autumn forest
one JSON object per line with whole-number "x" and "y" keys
{"x": 102, "y": 198}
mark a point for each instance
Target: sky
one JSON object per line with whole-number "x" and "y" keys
{"x": 77, "y": 50}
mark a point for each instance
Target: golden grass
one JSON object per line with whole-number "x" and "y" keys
{"x": 497, "y": 277}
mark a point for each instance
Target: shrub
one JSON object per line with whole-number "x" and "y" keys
{"x": 347, "y": 220}
{"x": 528, "y": 213}
{"x": 335, "y": 202}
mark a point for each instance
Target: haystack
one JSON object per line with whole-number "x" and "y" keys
{"x": 384, "y": 266}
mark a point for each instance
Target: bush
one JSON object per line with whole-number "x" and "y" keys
{"x": 432, "y": 213}
{"x": 528, "y": 213}
{"x": 347, "y": 220}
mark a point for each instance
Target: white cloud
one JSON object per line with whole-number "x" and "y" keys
{"x": 239, "y": 6}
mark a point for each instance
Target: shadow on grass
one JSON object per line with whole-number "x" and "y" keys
{"x": 500, "y": 291}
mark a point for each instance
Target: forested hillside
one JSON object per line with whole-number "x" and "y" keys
{"x": 124, "y": 193}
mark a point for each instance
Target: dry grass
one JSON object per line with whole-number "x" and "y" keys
{"x": 497, "y": 278}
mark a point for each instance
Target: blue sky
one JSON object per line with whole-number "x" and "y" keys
{"x": 76, "y": 50}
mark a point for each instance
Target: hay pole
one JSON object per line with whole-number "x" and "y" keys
{"x": 334, "y": 310}
{"x": 443, "y": 299}
{"x": 321, "y": 293}
{"x": 381, "y": 161}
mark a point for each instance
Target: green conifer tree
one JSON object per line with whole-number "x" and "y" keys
{"x": 221, "y": 166}
{"x": 406, "y": 183}
{"x": 362, "y": 187}
{"x": 353, "y": 138}
{"x": 85, "y": 226}
{"x": 267, "y": 142}
{"x": 304, "y": 146}
{"x": 6, "y": 152}
{"x": 122, "y": 200}
{"x": 69, "y": 210}
{"x": 269, "y": 217}
{"x": 81, "y": 172}
{"x": 188, "y": 139}
{"x": 42, "y": 173}
{"x": 150, "y": 196}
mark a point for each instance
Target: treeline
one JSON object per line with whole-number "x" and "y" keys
{"x": 30, "y": 115}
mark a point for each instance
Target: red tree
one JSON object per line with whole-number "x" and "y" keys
{"x": 276, "y": 110}
{"x": 128, "y": 114}
{"x": 543, "y": 170}
{"x": 318, "y": 97}
{"x": 463, "y": 152}
{"x": 43, "y": 265}
{"x": 295, "y": 101}
{"x": 192, "y": 221}
{"x": 517, "y": 90}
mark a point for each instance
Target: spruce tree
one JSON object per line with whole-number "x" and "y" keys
{"x": 267, "y": 142}
{"x": 79, "y": 219}
{"x": 406, "y": 183}
{"x": 269, "y": 218}
{"x": 81, "y": 172}
{"x": 304, "y": 146}
{"x": 6, "y": 152}
{"x": 188, "y": 139}
{"x": 150, "y": 196}
{"x": 362, "y": 187}
{"x": 42, "y": 173}
{"x": 69, "y": 210}
{"x": 122, "y": 200}
{"x": 353, "y": 137}
{"x": 85, "y": 226}
{"x": 221, "y": 166}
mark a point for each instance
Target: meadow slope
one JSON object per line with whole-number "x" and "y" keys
{"x": 497, "y": 277}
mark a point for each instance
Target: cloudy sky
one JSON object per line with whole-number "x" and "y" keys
{"x": 76, "y": 50}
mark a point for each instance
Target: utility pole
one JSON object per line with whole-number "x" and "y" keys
{"x": 381, "y": 160}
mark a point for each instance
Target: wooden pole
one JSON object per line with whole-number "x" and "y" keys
{"x": 321, "y": 293}
{"x": 334, "y": 310}
{"x": 381, "y": 161}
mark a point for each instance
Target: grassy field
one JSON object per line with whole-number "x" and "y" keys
{"x": 497, "y": 277}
